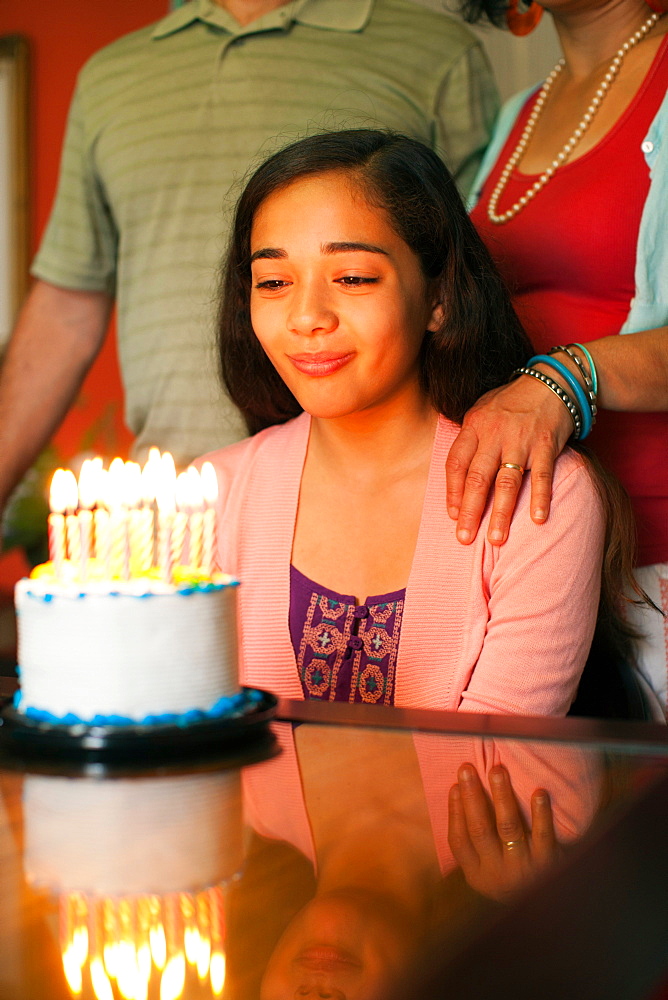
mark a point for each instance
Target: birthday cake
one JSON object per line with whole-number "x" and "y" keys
{"x": 117, "y": 629}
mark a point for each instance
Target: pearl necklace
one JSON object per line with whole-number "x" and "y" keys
{"x": 567, "y": 149}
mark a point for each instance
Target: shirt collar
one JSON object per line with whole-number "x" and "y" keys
{"x": 331, "y": 15}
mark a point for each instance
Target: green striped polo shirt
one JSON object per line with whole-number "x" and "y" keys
{"x": 166, "y": 123}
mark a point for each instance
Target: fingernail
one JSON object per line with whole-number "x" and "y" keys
{"x": 466, "y": 774}
{"x": 463, "y": 535}
{"x": 540, "y": 798}
{"x": 453, "y": 512}
{"x": 496, "y": 536}
{"x": 497, "y": 775}
{"x": 455, "y": 793}
{"x": 539, "y": 515}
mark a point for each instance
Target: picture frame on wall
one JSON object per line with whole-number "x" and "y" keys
{"x": 14, "y": 180}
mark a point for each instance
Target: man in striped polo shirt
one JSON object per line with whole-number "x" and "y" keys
{"x": 164, "y": 125}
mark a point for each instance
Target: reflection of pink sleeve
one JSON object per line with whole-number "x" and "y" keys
{"x": 571, "y": 775}
{"x": 274, "y": 799}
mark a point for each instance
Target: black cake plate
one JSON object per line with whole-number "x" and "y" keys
{"x": 25, "y": 741}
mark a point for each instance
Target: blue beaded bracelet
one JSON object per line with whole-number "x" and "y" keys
{"x": 580, "y": 396}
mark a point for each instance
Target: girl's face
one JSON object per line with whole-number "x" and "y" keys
{"x": 344, "y": 945}
{"x": 338, "y": 302}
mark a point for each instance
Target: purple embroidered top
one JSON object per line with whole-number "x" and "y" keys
{"x": 345, "y": 651}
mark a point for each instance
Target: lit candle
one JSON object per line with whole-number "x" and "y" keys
{"x": 166, "y": 501}
{"x": 150, "y": 477}
{"x": 180, "y": 518}
{"x": 87, "y": 499}
{"x": 71, "y": 499}
{"x": 210, "y": 491}
{"x": 57, "y": 525}
{"x": 195, "y": 502}
{"x": 132, "y": 496}
{"x": 120, "y": 543}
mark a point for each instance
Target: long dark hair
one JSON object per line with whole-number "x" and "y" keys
{"x": 479, "y": 344}
{"x": 481, "y": 340}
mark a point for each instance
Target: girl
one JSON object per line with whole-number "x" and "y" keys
{"x": 361, "y": 317}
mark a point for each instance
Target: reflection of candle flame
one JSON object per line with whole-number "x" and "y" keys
{"x": 158, "y": 944}
{"x": 217, "y": 972}
{"x": 173, "y": 978}
{"x": 139, "y": 942}
{"x": 72, "y": 971}
{"x": 191, "y": 944}
{"x": 101, "y": 985}
{"x": 203, "y": 957}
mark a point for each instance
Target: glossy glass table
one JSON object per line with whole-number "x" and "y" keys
{"x": 328, "y": 858}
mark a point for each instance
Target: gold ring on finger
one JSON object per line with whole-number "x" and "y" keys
{"x": 512, "y": 465}
{"x": 510, "y": 845}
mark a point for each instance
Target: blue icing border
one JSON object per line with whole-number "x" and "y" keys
{"x": 185, "y": 589}
{"x": 224, "y": 707}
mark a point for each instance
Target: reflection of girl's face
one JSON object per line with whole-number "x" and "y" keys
{"x": 338, "y": 302}
{"x": 347, "y": 945}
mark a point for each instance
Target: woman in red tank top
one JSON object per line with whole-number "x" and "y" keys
{"x": 569, "y": 212}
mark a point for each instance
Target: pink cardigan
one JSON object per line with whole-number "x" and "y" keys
{"x": 485, "y": 629}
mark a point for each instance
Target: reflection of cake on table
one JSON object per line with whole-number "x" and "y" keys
{"x": 129, "y": 622}
{"x": 140, "y": 867}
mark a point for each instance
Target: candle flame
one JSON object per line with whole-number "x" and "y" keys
{"x": 64, "y": 493}
{"x": 195, "y": 492}
{"x": 182, "y": 491}
{"x": 132, "y": 484}
{"x": 116, "y": 484}
{"x": 167, "y": 463}
{"x": 209, "y": 484}
{"x": 165, "y": 493}
{"x": 150, "y": 475}
{"x": 88, "y": 484}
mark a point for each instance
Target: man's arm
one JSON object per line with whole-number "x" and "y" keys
{"x": 56, "y": 339}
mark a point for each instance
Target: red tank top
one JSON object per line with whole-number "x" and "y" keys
{"x": 569, "y": 259}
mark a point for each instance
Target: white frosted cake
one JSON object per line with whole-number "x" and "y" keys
{"x": 126, "y": 652}
{"x": 129, "y": 623}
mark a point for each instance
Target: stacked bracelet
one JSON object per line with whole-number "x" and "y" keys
{"x": 583, "y": 403}
{"x": 583, "y": 370}
{"x": 592, "y": 366}
{"x": 558, "y": 391}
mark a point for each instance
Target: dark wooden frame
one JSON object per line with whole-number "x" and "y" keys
{"x": 14, "y": 209}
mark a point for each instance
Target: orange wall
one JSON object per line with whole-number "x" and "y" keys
{"x": 61, "y": 35}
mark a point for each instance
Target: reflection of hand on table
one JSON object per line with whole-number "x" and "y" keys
{"x": 489, "y": 839}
